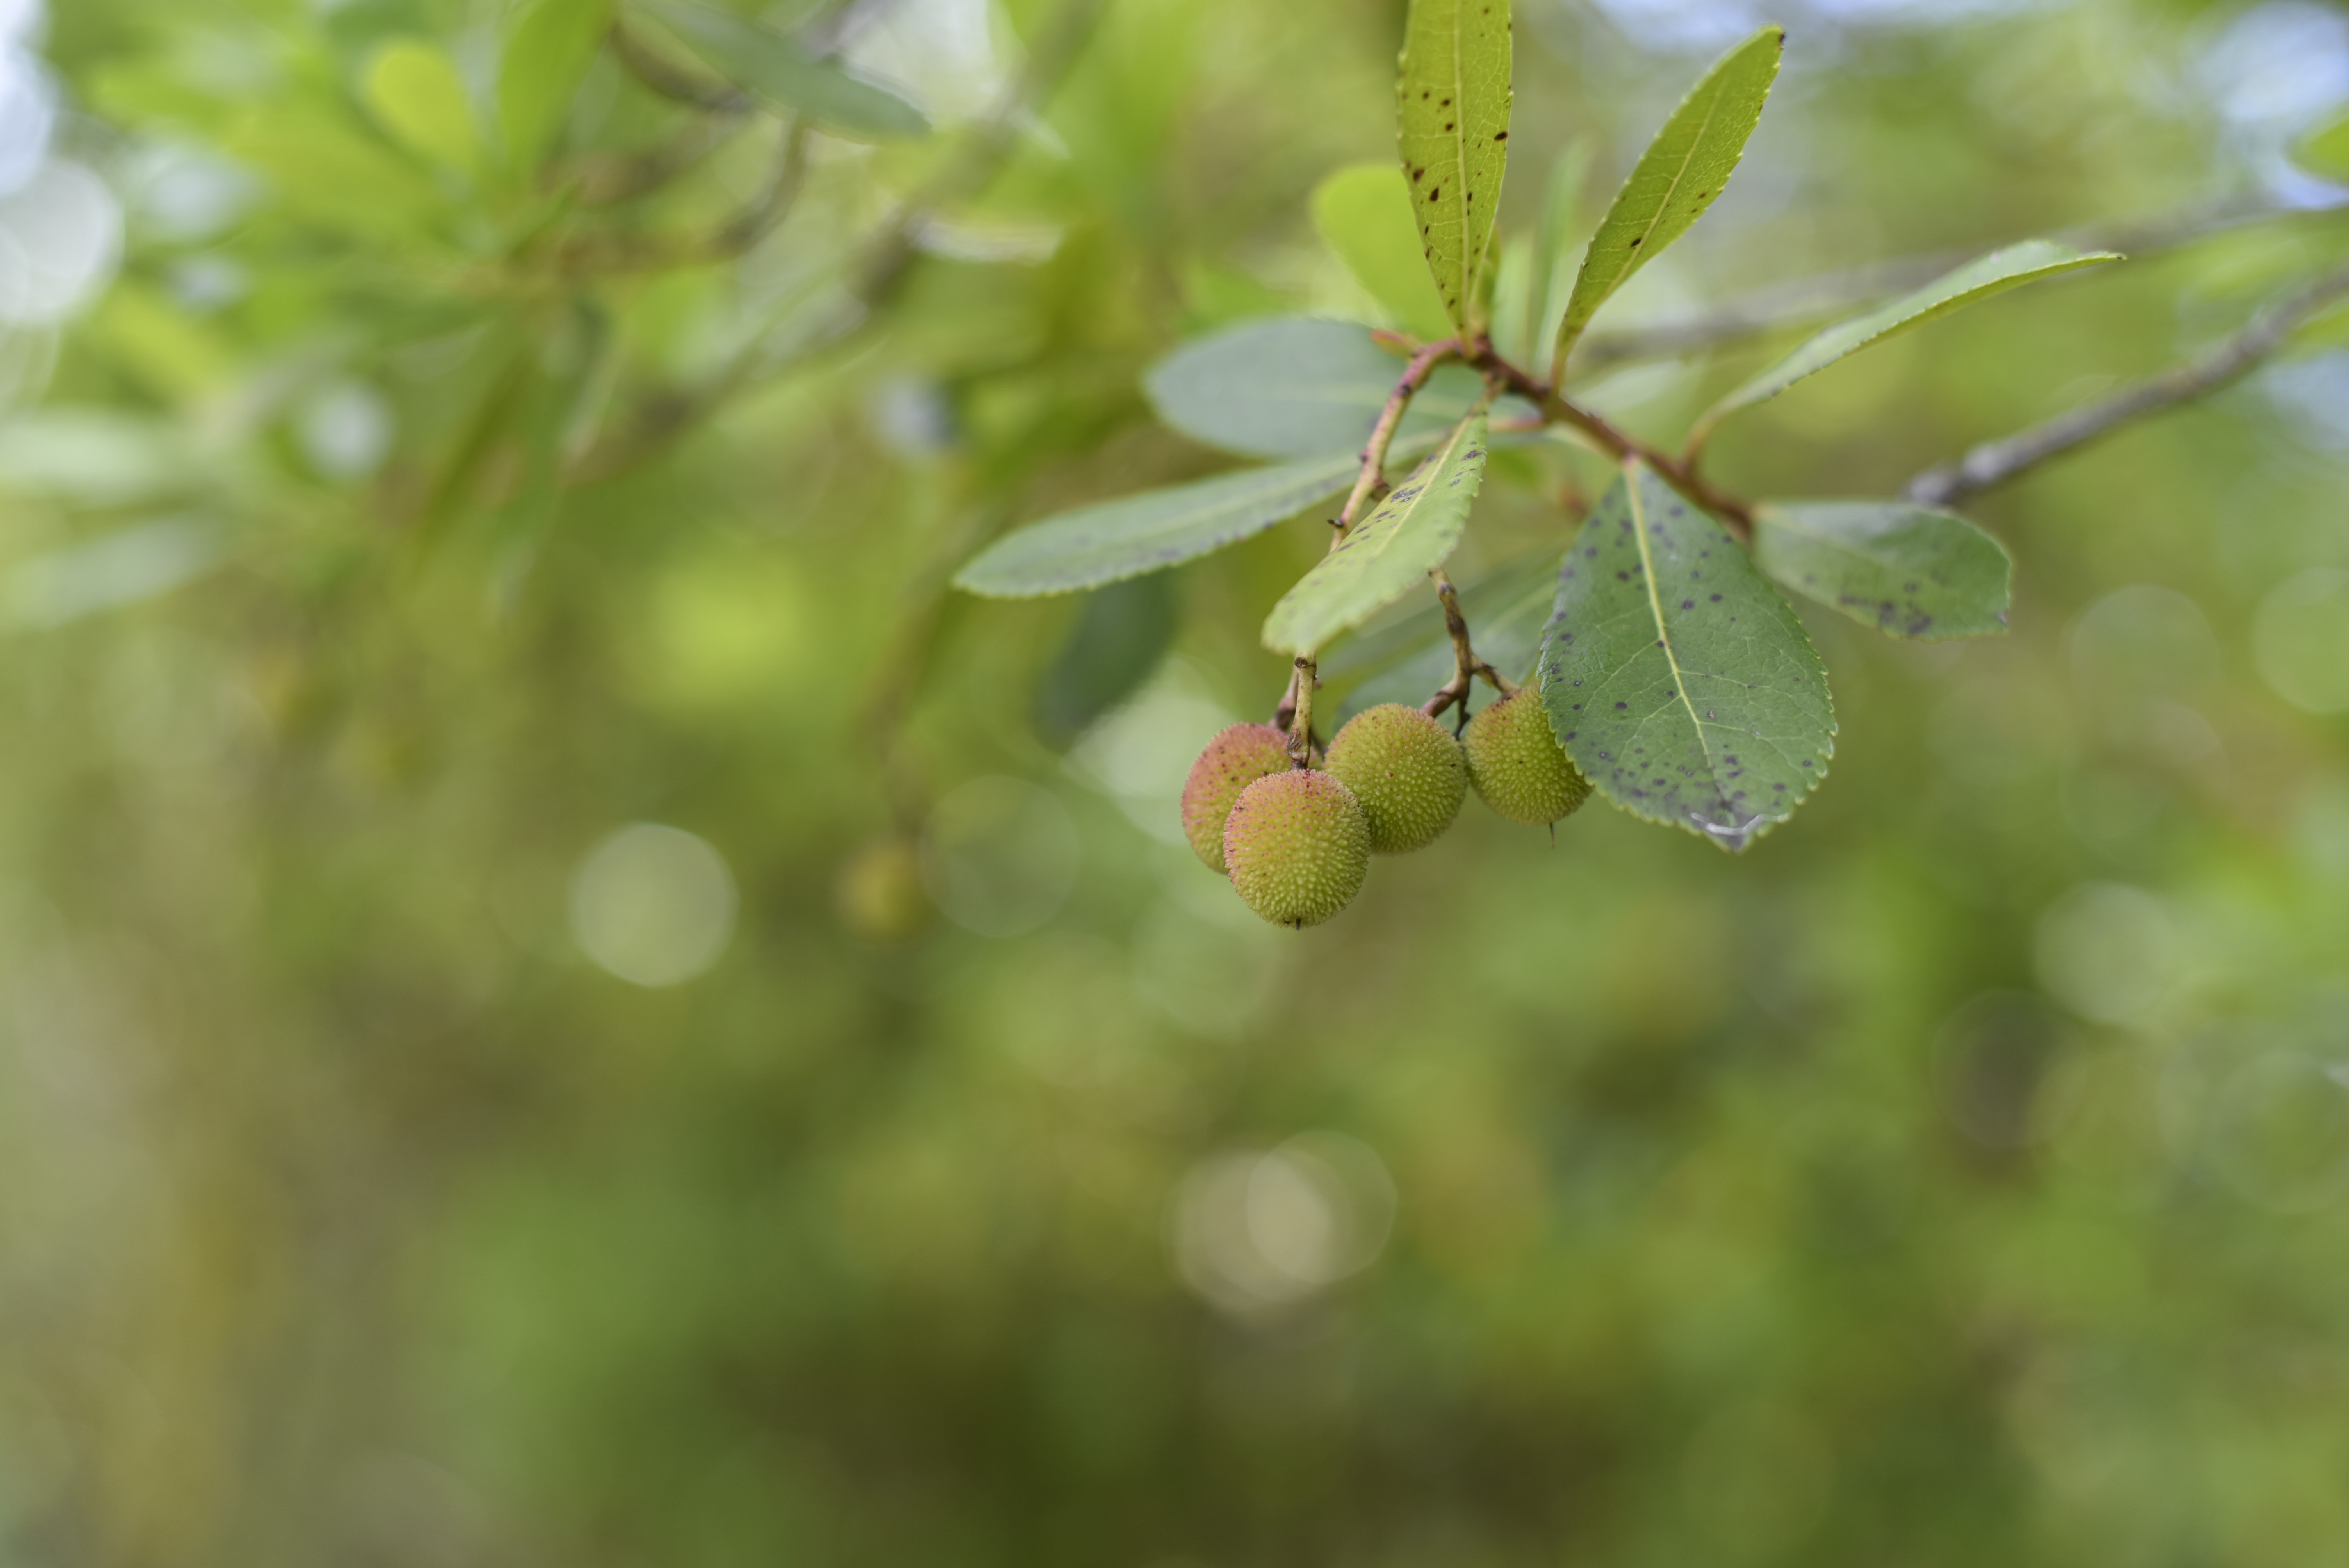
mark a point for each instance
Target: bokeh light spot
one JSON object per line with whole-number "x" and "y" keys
{"x": 999, "y": 856}
{"x": 2278, "y": 1132}
{"x": 2301, "y": 641}
{"x": 2109, "y": 951}
{"x": 1254, "y": 1231}
{"x": 653, "y": 904}
{"x": 60, "y": 235}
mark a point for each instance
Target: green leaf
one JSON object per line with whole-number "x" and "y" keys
{"x": 1121, "y": 636}
{"x": 415, "y": 93}
{"x": 1909, "y": 571}
{"x": 1296, "y": 387}
{"x": 1451, "y": 110}
{"x": 1682, "y": 174}
{"x": 2325, "y": 152}
{"x": 1411, "y": 533}
{"x": 329, "y": 171}
{"x": 1363, "y": 213}
{"x": 1514, "y": 303}
{"x": 1120, "y": 538}
{"x": 1979, "y": 279}
{"x": 1554, "y": 241}
{"x": 546, "y": 54}
{"x": 779, "y": 73}
{"x": 1404, "y": 658}
{"x": 1679, "y": 680}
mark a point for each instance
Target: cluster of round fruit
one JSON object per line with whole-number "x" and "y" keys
{"x": 1297, "y": 839}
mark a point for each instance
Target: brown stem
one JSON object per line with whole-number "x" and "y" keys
{"x": 1300, "y": 717}
{"x": 1996, "y": 462}
{"x": 1371, "y": 484}
{"x": 1683, "y": 477}
{"x": 1466, "y": 665}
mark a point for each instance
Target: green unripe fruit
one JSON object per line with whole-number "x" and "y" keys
{"x": 1517, "y": 765}
{"x": 1234, "y": 759}
{"x": 1298, "y": 846}
{"x": 1407, "y": 772}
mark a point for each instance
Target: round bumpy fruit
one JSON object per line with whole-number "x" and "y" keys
{"x": 1516, "y": 764}
{"x": 1407, "y": 772}
{"x": 1298, "y": 846}
{"x": 1234, "y": 759}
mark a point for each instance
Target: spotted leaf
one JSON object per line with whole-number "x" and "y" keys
{"x": 1680, "y": 681}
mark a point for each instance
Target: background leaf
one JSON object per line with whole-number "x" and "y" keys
{"x": 1979, "y": 279}
{"x": 1297, "y": 388}
{"x": 1160, "y": 527}
{"x": 1513, "y": 301}
{"x": 1569, "y": 172}
{"x": 1121, "y": 633}
{"x": 2325, "y": 152}
{"x": 1682, "y": 174}
{"x": 1363, "y": 213}
{"x": 1909, "y": 571}
{"x": 1451, "y": 102}
{"x": 414, "y": 91}
{"x": 328, "y": 171}
{"x": 545, "y": 56}
{"x": 1413, "y": 533}
{"x": 779, "y": 73}
{"x": 1679, "y": 679}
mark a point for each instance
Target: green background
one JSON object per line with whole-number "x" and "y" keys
{"x": 1956, "y": 1178}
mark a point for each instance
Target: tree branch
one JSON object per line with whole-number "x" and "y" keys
{"x": 1996, "y": 462}
{"x": 1371, "y": 484}
{"x": 673, "y": 82}
{"x": 1683, "y": 477}
{"x": 883, "y": 257}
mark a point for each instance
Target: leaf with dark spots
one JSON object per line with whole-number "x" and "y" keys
{"x": 1909, "y": 571}
{"x": 1456, "y": 52}
{"x": 1722, "y": 701}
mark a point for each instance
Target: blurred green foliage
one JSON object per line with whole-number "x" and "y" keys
{"x": 917, "y": 1158}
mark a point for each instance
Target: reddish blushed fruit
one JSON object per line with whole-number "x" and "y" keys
{"x": 1516, "y": 764}
{"x": 1298, "y": 846}
{"x": 1234, "y": 759}
{"x": 1406, "y": 769}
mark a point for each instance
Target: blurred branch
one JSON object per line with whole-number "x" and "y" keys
{"x": 605, "y": 253}
{"x": 882, "y": 260}
{"x": 674, "y": 82}
{"x": 1810, "y": 301}
{"x": 612, "y": 178}
{"x": 983, "y": 151}
{"x": 1996, "y": 462}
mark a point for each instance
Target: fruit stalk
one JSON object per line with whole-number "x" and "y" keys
{"x": 1300, "y": 717}
{"x": 1467, "y": 667}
